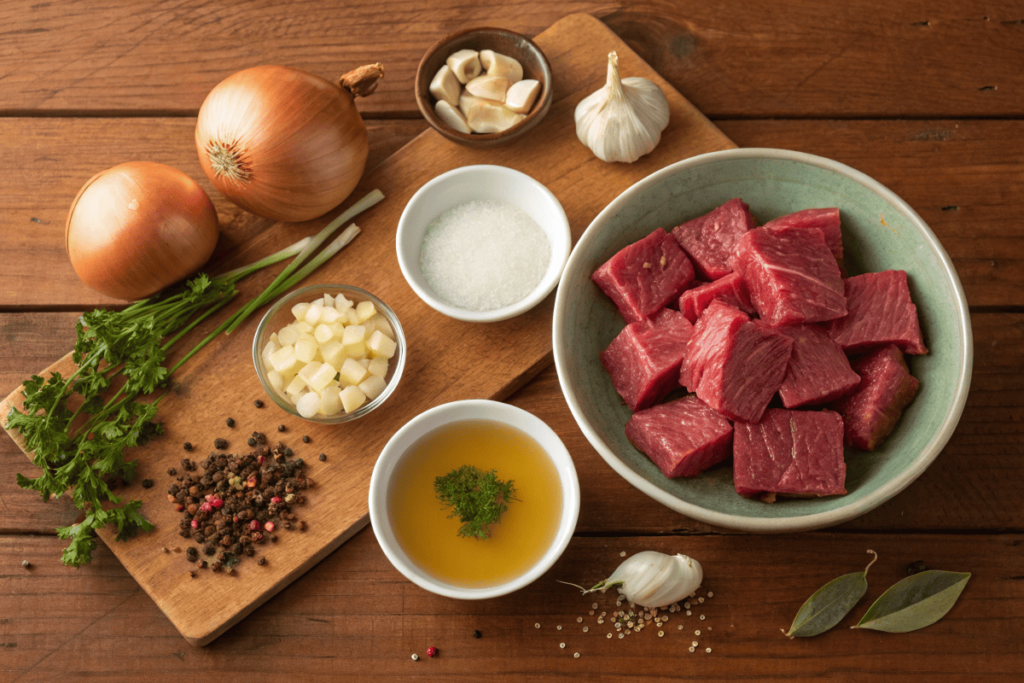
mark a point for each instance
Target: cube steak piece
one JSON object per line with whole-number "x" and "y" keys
{"x": 826, "y": 220}
{"x": 730, "y": 289}
{"x": 880, "y": 313}
{"x": 818, "y": 371}
{"x": 886, "y": 388}
{"x": 791, "y": 275}
{"x": 683, "y": 438}
{"x": 643, "y": 360}
{"x": 645, "y": 276}
{"x": 791, "y": 453}
{"x": 734, "y": 364}
{"x": 711, "y": 239}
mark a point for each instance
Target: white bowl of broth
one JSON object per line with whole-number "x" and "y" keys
{"x": 421, "y": 535}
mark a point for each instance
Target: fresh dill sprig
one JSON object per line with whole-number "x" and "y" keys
{"x": 476, "y": 497}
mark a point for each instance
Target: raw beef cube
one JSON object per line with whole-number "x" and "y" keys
{"x": 644, "y": 359}
{"x": 818, "y": 371}
{"x": 645, "y": 276}
{"x": 683, "y": 438}
{"x": 826, "y": 220}
{"x": 790, "y": 452}
{"x": 730, "y": 289}
{"x": 791, "y": 275}
{"x": 886, "y": 388}
{"x": 735, "y": 364}
{"x": 880, "y": 313}
{"x": 711, "y": 239}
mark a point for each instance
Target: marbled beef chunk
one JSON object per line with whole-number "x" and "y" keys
{"x": 711, "y": 239}
{"x": 645, "y": 276}
{"x": 643, "y": 360}
{"x": 730, "y": 289}
{"x": 818, "y": 370}
{"x": 886, "y": 388}
{"x": 880, "y": 313}
{"x": 790, "y": 453}
{"x": 683, "y": 438}
{"x": 826, "y": 220}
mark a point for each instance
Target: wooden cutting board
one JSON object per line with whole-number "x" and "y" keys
{"x": 448, "y": 360}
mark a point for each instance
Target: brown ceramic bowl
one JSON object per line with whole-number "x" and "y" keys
{"x": 535, "y": 66}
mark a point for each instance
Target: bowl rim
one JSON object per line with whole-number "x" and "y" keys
{"x": 778, "y": 524}
{"x": 540, "y": 107}
{"x": 560, "y": 248}
{"x": 340, "y": 418}
{"x": 460, "y": 411}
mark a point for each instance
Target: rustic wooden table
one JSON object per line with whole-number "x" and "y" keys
{"x": 926, "y": 97}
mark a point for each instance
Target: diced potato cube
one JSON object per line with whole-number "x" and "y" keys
{"x": 323, "y": 333}
{"x": 351, "y": 372}
{"x": 302, "y": 327}
{"x": 295, "y": 386}
{"x": 352, "y": 398}
{"x": 308, "y": 336}
{"x": 370, "y": 326}
{"x": 299, "y": 310}
{"x": 268, "y": 350}
{"x": 275, "y": 379}
{"x": 365, "y": 310}
{"x": 313, "y": 313}
{"x": 330, "y": 400}
{"x": 288, "y": 335}
{"x": 381, "y": 346}
{"x": 342, "y": 303}
{"x": 328, "y": 301}
{"x": 353, "y": 317}
{"x": 308, "y": 371}
{"x": 274, "y": 338}
{"x": 329, "y": 316}
{"x": 372, "y": 386}
{"x": 284, "y": 359}
{"x": 308, "y": 405}
{"x": 338, "y": 328}
{"x": 365, "y": 362}
{"x": 322, "y": 377}
{"x": 378, "y": 366}
{"x": 382, "y": 324}
{"x": 334, "y": 353}
{"x": 354, "y": 341}
{"x": 305, "y": 350}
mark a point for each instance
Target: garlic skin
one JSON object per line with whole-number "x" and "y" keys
{"x": 652, "y": 579}
{"x": 623, "y": 120}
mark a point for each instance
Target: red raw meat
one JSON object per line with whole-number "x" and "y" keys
{"x": 683, "y": 438}
{"x": 734, "y": 364}
{"x": 818, "y": 371}
{"x": 730, "y": 289}
{"x": 645, "y": 276}
{"x": 826, "y": 220}
{"x": 791, "y": 275}
{"x": 791, "y": 453}
{"x": 886, "y": 388}
{"x": 711, "y": 239}
{"x": 643, "y": 360}
{"x": 880, "y": 313}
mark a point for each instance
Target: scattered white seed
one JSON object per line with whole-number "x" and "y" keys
{"x": 594, "y": 606}
{"x": 576, "y": 655}
{"x": 708, "y": 650}
{"x": 537, "y": 625}
{"x": 600, "y": 621}
{"x": 664, "y": 619}
{"x": 591, "y": 612}
{"x": 680, "y": 627}
{"x": 415, "y": 658}
{"x": 688, "y": 612}
{"x": 622, "y": 554}
{"x": 561, "y": 645}
{"x": 700, "y": 600}
{"x": 696, "y": 633}
{"x": 702, "y": 617}
{"x": 586, "y": 629}
{"x": 661, "y": 634}
{"x": 559, "y": 628}
{"x": 609, "y": 635}
{"x": 695, "y": 643}
{"x": 622, "y": 635}
{"x": 686, "y": 605}
{"x": 693, "y": 649}
{"x": 710, "y": 594}
{"x": 579, "y": 620}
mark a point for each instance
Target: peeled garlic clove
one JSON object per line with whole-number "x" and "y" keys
{"x": 489, "y": 87}
{"x": 497, "y": 64}
{"x": 445, "y": 86}
{"x": 452, "y": 116}
{"x": 490, "y": 117}
{"x": 467, "y": 100}
{"x": 521, "y": 96}
{"x": 465, "y": 64}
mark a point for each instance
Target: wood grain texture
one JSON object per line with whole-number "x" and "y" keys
{"x": 355, "y": 617}
{"x": 482, "y": 361}
{"x": 735, "y": 58}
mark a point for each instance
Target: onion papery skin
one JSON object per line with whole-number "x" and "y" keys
{"x": 296, "y": 141}
{"x": 138, "y": 227}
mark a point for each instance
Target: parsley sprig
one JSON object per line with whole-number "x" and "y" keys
{"x": 476, "y": 497}
{"x": 78, "y": 428}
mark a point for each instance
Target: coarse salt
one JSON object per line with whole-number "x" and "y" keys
{"x": 484, "y": 255}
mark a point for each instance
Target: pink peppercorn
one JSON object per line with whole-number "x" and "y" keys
{"x": 269, "y": 526}
{"x": 431, "y": 651}
{"x": 275, "y": 499}
{"x": 261, "y": 459}
{"x": 251, "y": 482}
{"x": 179, "y": 508}
{"x": 206, "y": 507}
{"x": 217, "y": 503}
{"x": 254, "y": 525}
{"x": 195, "y": 523}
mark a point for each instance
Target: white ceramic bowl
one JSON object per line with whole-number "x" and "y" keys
{"x": 471, "y": 183}
{"x": 459, "y": 411}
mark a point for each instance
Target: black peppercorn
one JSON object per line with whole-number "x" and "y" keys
{"x": 231, "y": 422}
{"x": 251, "y": 441}
{"x": 262, "y": 561}
{"x": 323, "y": 457}
{"x": 916, "y": 567}
{"x": 281, "y": 428}
{"x": 201, "y": 564}
{"x": 192, "y": 554}
{"x": 147, "y": 483}
{"x": 171, "y": 471}
{"x": 477, "y": 634}
{"x": 220, "y": 444}
{"x": 305, "y": 439}
{"x": 258, "y": 403}
{"x": 188, "y": 446}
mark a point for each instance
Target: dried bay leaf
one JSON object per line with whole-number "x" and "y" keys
{"x": 830, "y": 603}
{"x": 915, "y": 602}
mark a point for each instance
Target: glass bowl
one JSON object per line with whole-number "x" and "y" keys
{"x": 280, "y": 314}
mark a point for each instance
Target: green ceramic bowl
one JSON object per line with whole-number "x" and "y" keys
{"x": 880, "y": 232}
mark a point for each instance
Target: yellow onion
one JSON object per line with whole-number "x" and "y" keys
{"x": 137, "y": 227}
{"x": 283, "y": 143}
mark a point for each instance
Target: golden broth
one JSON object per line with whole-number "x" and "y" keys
{"x": 430, "y": 539}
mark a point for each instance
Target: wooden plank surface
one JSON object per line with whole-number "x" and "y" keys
{"x": 487, "y": 361}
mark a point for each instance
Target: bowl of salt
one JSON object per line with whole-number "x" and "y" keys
{"x": 483, "y": 243}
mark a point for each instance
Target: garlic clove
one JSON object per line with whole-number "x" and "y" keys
{"x": 521, "y": 96}
{"x": 466, "y": 100}
{"x": 491, "y": 117}
{"x": 452, "y": 116}
{"x": 497, "y": 64}
{"x": 489, "y": 87}
{"x": 445, "y": 86}
{"x": 465, "y": 64}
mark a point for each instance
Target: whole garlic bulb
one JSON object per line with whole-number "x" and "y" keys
{"x": 623, "y": 120}
{"x": 652, "y": 579}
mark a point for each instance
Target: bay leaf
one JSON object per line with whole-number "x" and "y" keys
{"x": 915, "y": 602}
{"x": 830, "y": 603}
